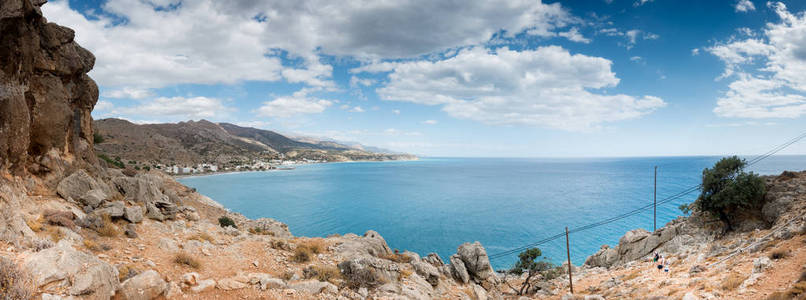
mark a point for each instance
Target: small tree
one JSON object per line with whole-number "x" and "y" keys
{"x": 726, "y": 188}
{"x": 97, "y": 138}
{"x": 528, "y": 263}
{"x": 225, "y": 221}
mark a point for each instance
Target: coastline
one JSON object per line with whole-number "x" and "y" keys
{"x": 294, "y": 166}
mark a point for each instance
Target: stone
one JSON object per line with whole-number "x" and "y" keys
{"x": 229, "y": 284}
{"x": 203, "y": 286}
{"x": 383, "y": 270}
{"x": 167, "y": 244}
{"x": 266, "y": 281}
{"x": 696, "y": 269}
{"x": 429, "y": 272}
{"x": 476, "y": 262}
{"x": 458, "y": 269}
{"x": 113, "y": 209}
{"x": 133, "y": 214}
{"x": 81, "y": 272}
{"x": 269, "y": 226}
{"x": 93, "y": 198}
{"x": 371, "y": 243}
{"x": 479, "y": 293}
{"x": 775, "y": 207}
{"x": 690, "y": 296}
{"x": 174, "y": 291}
{"x": 191, "y": 279}
{"x": 314, "y": 287}
{"x": 78, "y": 185}
{"x": 594, "y": 297}
{"x": 434, "y": 259}
{"x": 146, "y": 285}
{"x": 761, "y": 264}
{"x": 130, "y": 231}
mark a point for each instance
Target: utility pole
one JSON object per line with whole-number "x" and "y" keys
{"x": 568, "y": 249}
{"x": 655, "y": 203}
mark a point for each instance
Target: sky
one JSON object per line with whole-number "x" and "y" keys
{"x": 499, "y": 78}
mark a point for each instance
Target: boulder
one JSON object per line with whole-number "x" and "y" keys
{"x": 83, "y": 273}
{"x": 761, "y": 264}
{"x": 191, "y": 279}
{"x": 383, "y": 270}
{"x": 133, "y": 214}
{"x": 145, "y": 286}
{"x": 314, "y": 287}
{"x": 229, "y": 284}
{"x": 434, "y": 259}
{"x": 266, "y": 281}
{"x": 270, "y": 226}
{"x": 167, "y": 244}
{"x": 131, "y": 231}
{"x": 476, "y": 262}
{"x": 112, "y": 209}
{"x": 371, "y": 243}
{"x": 458, "y": 269}
{"x": 93, "y": 198}
{"x": 429, "y": 272}
{"x": 775, "y": 207}
{"x": 203, "y": 286}
{"x": 77, "y": 185}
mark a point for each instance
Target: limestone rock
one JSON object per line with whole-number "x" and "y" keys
{"x": 476, "y": 262}
{"x": 130, "y": 231}
{"x": 272, "y": 227}
{"x": 429, "y": 272}
{"x": 93, "y": 198}
{"x": 203, "y": 286}
{"x": 314, "y": 287}
{"x": 77, "y": 185}
{"x": 82, "y": 272}
{"x": 133, "y": 214}
{"x": 458, "y": 269}
{"x": 146, "y": 285}
{"x": 112, "y": 209}
{"x": 228, "y": 284}
{"x": 191, "y": 279}
{"x": 266, "y": 281}
{"x": 761, "y": 264}
{"x": 167, "y": 244}
{"x": 434, "y": 260}
{"x": 371, "y": 243}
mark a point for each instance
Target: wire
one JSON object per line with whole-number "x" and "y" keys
{"x": 642, "y": 208}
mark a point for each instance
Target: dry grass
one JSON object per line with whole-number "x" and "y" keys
{"x": 126, "y": 272}
{"x": 796, "y": 291}
{"x": 405, "y": 273}
{"x": 366, "y": 277}
{"x": 108, "y": 229}
{"x": 397, "y": 257}
{"x": 779, "y": 254}
{"x": 91, "y": 245}
{"x": 302, "y": 255}
{"x": 201, "y": 237}
{"x": 15, "y": 283}
{"x": 322, "y": 273}
{"x": 55, "y": 234}
{"x": 260, "y": 231}
{"x": 34, "y": 224}
{"x": 183, "y": 258}
{"x": 733, "y": 281}
{"x": 315, "y": 245}
{"x": 279, "y": 245}
{"x": 287, "y": 275}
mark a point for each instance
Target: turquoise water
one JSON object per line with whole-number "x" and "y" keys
{"x": 435, "y": 204}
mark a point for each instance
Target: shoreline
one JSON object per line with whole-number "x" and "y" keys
{"x": 294, "y": 166}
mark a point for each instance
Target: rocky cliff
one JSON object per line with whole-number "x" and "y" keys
{"x": 45, "y": 94}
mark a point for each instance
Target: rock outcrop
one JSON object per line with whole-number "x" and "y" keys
{"x": 83, "y": 273}
{"x": 46, "y": 96}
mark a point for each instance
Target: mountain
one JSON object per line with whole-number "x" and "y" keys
{"x": 195, "y": 142}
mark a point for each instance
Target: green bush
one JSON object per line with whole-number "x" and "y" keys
{"x": 726, "y": 189}
{"x": 225, "y": 221}
{"x": 527, "y": 262}
{"x": 97, "y": 138}
{"x": 116, "y": 163}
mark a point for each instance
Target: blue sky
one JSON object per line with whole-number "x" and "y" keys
{"x": 461, "y": 78}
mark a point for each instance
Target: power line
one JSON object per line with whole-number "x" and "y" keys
{"x": 642, "y": 208}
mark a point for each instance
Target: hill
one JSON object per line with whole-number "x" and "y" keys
{"x": 195, "y": 142}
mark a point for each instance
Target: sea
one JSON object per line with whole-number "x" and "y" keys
{"x": 436, "y": 204}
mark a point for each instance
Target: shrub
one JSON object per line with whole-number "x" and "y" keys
{"x": 315, "y": 245}
{"x": 183, "y": 258}
{"x": 260, "y": 231}
{"x": 685, "y": 208}
{"x": 34, "y": 224}
{"x": 301, "y": 255}
{"x": 55, "y": 234}
{"x": 97, "y": 138}
{"x": 91, "y": 245}
{"x": 322, "y": 273}
{"x": 225, "y": 221}
{"x": 126, "y": 272}
{"x": 726, "y": 188}
{"x": 287, "y": 275}
{"x": 116, "y": 163}
{"x": 108, "y": 229}
{"x": 779, "y": 254}
{"x": 14, "y": 282}
{"x": 364, "y": 277}
{"x": 733, "y": 281}
{"x": 279, "y": 245}
{"x": 397, "y": 257}
{"x": 527, "y": 262}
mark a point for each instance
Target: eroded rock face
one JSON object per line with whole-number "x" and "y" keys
{"x": 45, "y": 94}
{"x": 145, "y": 286}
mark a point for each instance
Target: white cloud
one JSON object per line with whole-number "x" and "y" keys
{"x": 767, "y": 71}
{"x": 396, "y": 111}
{"x": 695, "y": 51}
{"x": 173, "y": 108}
{"x": 574, "y": 36}
{"x": 103, "y": 105}
{"x": 745, "y": 6}
{"x": 430, "y": 122}
{"x": 635, "y": 58}
{"x": 357, "y": 81}
{"x": 128, "y": 93}
{"x": 357, "y": 109}
{"x": 297, "y": 104}
{"x": 544, "y": 87}
{"x": 641, "y": 2}
{"x": 153, "y": 44}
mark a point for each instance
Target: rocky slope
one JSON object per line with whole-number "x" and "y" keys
{"x": 194, "y": 142}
